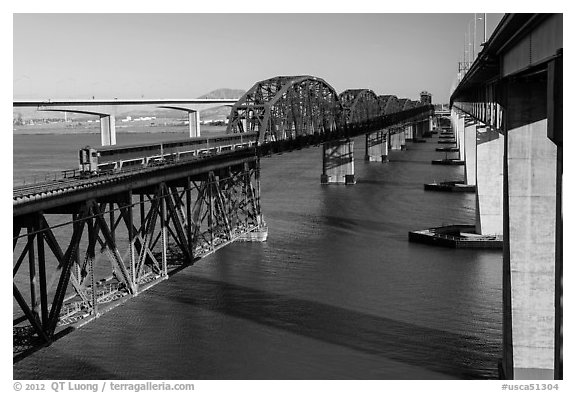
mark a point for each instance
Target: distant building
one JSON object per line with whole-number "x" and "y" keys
{"x": 425, "y": 98}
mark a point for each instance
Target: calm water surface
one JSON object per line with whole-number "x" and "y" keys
{"x": 336, "y": 292}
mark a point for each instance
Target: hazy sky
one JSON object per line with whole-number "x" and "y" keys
{"x": 187, "y": 55}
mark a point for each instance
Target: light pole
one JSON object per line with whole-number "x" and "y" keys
{"x": 473, "y": 44}
{"x": 475, "y": 19}
{"x": 465, "y": 60}
{"x": 470, "y": 52}
{"x": 484, "y": 28}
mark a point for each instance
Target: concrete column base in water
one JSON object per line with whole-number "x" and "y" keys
{"x": 377, "y": 147}
{"x": 338, "y": 162}
{"x": 396, "y": 141}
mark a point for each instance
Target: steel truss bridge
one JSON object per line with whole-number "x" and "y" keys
{"x": 83, "y": 245}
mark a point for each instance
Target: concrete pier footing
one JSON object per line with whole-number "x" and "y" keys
{"x": 409, "y": 132}
{"x": 402, "y": 138}
{"x": 396, "y": 141}
{"x": 377, "y": 147}
{"x": 259, "y": 234}
{"x": 338, "y": 162}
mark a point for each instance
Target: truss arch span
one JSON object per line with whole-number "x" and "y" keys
{"x": 389, "y": 104}
{"x": 359, "y": 105}
{"x": 285, "y": 107}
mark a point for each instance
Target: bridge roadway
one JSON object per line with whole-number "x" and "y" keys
{"x": 106, "y": 110}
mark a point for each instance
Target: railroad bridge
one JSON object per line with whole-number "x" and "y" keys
{"x": 86, "y": 241}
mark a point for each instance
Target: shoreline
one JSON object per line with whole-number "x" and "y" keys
{"x": 174, "y": 129}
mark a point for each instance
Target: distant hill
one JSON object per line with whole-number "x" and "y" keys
{"x": 221, "y": 112}
{"x": 224, "y": 93}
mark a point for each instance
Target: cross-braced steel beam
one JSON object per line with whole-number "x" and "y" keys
{"x": 120, "y": 245}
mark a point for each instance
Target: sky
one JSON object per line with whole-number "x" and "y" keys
{"x": 158, "y": 55}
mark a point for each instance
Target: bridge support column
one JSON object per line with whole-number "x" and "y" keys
{"x": 402, "y": 140}
{"x": 454, "y": 125}
{"x": 377, "y": 147}
{"x": 470, "y": 152}
{"x": 418, "y": 132}
{"x": 396, "y": 139}
{"x": 338, "y": 162}
{"x": 427, "y": 127}
{"x": 460, "y": 138}
{"x": 409, "y": 132}
{"x": 108, "y": 130}
{"x": 194, "y": 123}
{"x": 489, "y": 181}
{"x": 532, "y": 284}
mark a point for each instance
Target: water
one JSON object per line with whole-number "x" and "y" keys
{"x": 41, "y": 152}
{"x": 336, "y": 292}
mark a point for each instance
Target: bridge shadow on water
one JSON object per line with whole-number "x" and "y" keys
{"x": 452, "y": 354}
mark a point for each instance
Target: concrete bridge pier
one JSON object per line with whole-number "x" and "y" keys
{"x": 396, "y": 139}
{"x": 489, "y": 181}
{"x": 107, "y": 120}
{"x": 193, "y": 118}
{"x": 409, "y": 131}
{"x": 107, "y": 130}
{"x": 418, "y": 130}
{"x": 454, "y": 125}
{"x": 338, "y": 162}
{"x": 533, "y": 228}
{"x": 459, "y": 134}
{"x": 194, "y": 123}
{"x": 457, "y": 123}
{"x": 377, "y": 146}
{"x": 402, "y": 140}
{"x": 427, "y": 126}
{"x": 469, "y": 142}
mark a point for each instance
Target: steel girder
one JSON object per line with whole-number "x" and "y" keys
{"x": 67, "y": 272}
{"x": 360, "y": 105}
{"x": 286, "y": 107}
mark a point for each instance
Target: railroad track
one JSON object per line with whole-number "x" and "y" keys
{"x": 30, "y": 192}
{"x": 36, "y": 191}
